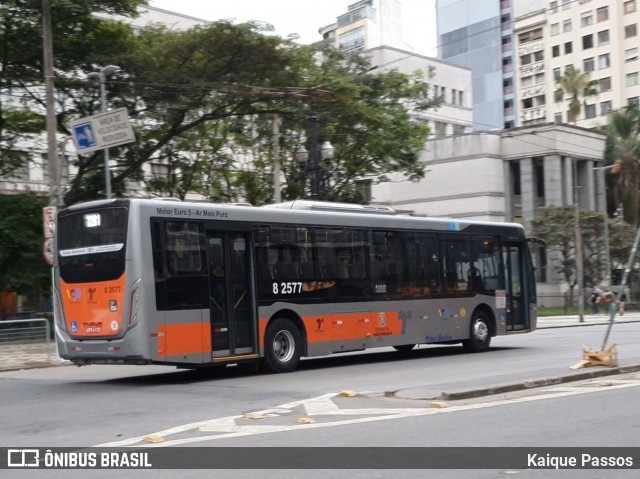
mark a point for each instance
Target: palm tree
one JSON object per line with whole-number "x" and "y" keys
{"x": 623, "y": 152}
{"x": 576, "y": 84}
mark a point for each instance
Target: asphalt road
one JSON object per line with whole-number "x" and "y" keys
{"x": 106, "y": 404}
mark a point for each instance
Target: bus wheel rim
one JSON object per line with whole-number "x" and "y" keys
{"x": 480, "y": 331}
{"x": 283, "y": 346}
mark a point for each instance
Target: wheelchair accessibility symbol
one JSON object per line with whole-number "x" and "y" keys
{"x": 85, "y": 135}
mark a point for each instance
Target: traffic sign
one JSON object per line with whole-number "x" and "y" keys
{"x": 105, "y": 130}
{"x": 48, "y": 220}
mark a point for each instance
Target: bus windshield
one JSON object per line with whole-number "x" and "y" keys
{"x": 91, "y": 244}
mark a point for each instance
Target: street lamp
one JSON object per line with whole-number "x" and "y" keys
{"x": 603, "y": 195}
{"x": 101, "y": 77}
{"x": 319, "y": 173}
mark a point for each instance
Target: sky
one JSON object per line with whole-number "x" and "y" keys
{"x": 305, "y": 17}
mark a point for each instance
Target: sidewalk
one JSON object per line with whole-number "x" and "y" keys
{"x": 14, "y": 356}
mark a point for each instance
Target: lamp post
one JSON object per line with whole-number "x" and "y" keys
{"x": 603, "y": 195}
{"x": 101, "y": 77}
{"x": 319, "y": 173}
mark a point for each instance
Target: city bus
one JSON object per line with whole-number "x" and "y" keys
{"x": 188, "y": 284}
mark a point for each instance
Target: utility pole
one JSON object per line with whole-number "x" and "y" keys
{"x": 276, "y": 159}
{"x": 578, "y": 241}
{"x": 315, "y": 157}
{"x": 55, "y": 195}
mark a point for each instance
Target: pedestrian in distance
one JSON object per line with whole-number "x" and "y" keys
{"x": 623, "y": 298}
{"x": 595, "y": 301}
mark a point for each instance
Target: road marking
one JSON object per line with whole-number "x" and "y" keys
{"x": 231, "y": 426}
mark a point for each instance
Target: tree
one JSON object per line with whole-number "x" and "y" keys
{"x": 623, "y": 152}
{"x": 78, "y": 33}
{"x": 556, "y": 226}
{"x": 576, "y": 85}
{"x": 202, "y": 100}
{"x": 22, "y": 265}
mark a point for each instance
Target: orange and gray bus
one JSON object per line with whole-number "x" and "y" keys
{"x": 151, "y": 281}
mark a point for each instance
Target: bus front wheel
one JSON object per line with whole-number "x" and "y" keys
{"x": 282, "y": 346}
{"x": 480, "y": 334}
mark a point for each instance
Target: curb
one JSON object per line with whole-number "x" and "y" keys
{"x": 24, "y": 366}
{"x": 526, "y": 384}
{"x": 586, "y": 323}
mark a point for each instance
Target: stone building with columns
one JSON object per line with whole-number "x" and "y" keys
{"x": 505, "y": 176}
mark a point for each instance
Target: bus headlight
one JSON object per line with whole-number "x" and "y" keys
{"x": 58, "y": 310}
{"x": 133, "y": 302}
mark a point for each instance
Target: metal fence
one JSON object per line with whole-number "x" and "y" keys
{"x": 33, "y": 333}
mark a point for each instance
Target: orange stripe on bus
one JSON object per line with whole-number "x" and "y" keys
{"x": 340, "y": 327}
{"x": 190, "y": 338}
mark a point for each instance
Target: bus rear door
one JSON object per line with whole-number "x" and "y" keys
{"x": 231, "y": 299}
{"x": 517, "y": 302}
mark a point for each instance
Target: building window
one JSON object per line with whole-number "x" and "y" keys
{"x": 590, "y": 111}
{"x": 603, "y": 37}
{"x": 604, "y": 61}
{"x": 631, "y": 55}
{"x": 556, "y": 73}
{"x": 587, "y": 42}
{"x": 530, "y": 36}
{"x": 603, "y": 14}
{"x": 555, "y": 51}
{"x": 558, "y": 96}
{"x": 555, "y": 29}
{"x": 527, "y": 103}
{"x": 630, "y": 30}
{"x": 604, "y": 84}
{"x": 21, "y": 173}
{"x": 588, "y": 65}
{"x": 458, "y": 130}
{"x": 605, "y": 107}
{"x": 587, "y": 19}
{"x": 629, "y": 6}
{"x": 461, "y": 98}
{"x": 566, "y": 4}
{"x": 566, "y": 26}
{"x": 558, "y": 118}
{"x": 634, "y": 101}
{"x": 440, "y": 129}
{"x": 352, "y": 40}
{"x": 632, "y": 79}
{"x": 553, "y": 7}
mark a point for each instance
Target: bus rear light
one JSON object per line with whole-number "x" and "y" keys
{"x": 133, "y": 303}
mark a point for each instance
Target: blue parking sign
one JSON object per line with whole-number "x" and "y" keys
{"x": 85, "y": 136}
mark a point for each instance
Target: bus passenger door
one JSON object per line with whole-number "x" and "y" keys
{"x": 517, "y": 310}
{"x": 231, "y": 299}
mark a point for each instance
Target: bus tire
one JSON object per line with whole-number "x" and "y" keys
{"x": 480, "y": 334}
{"x": 404, "y": 348}
{"x": 282, "y": 346}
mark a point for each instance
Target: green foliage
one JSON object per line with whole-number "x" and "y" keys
{"x": 623, "y": 152}
{"x": 576, "y": 85}
{"x": 556, "y": 225}
{"x": 22, "y": 265}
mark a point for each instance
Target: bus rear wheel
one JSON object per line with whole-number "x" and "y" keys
{"x": 480, "y": 334}
{"x": 282, "y": 346}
